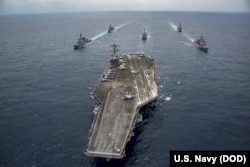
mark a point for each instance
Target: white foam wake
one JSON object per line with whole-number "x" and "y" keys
{"x": 106, "y": 31}
{"x": 186, "y": 35}
{"x": 99, "y": 35}
{"x": 172, "y": 25}
{"x": 122, "y": 25}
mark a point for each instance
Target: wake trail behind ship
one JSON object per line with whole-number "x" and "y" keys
{"x": 122, "y": 25}
{"x": 184, "y": 33}
{"x": 174, "y": 27}
{"x": 106, "y": 31}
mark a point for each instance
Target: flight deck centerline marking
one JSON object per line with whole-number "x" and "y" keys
{"x": 139, "y": 99}
{"x": 105, "y": 106}
{"x": 112, "y": 143}
{"x": 137, "y": 92}
{"x": 149, "y": 84}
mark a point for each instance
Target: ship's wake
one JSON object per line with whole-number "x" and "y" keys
{"x": 165, "y": 97}
{"x": 187, "y": 43}
{"x": 174, "y": 27}
{"x": 122, "y": 25}
{"x": 149, "y": 36}
{"x": 184, "y": 33}
{"x": 99, "y": 35}
{"x": 106, "y": 31}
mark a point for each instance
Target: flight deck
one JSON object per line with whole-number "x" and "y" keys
{"x": 125, "y": 87}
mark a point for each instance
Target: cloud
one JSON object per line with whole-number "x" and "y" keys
{"x": 43, "y": 6}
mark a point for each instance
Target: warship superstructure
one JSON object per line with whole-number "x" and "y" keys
{"x": 201, "y": 42}
{"x": 144, "y": 35}
{"x": 179, "y": 28}
{"x": 81, "y": 42}
{"x": 125, "y": 87}
{"x": 110, "y": 29}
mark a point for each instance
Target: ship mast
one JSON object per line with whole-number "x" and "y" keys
{"x": 114, "y": 61}
{"x": 115, "y": 50}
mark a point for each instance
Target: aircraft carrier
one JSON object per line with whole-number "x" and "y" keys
{"x": 125, "y": 87}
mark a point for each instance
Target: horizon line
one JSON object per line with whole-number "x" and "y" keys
{"x": 92, "y": 11}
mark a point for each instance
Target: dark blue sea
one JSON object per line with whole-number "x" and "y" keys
{"x": 45, "y": 85}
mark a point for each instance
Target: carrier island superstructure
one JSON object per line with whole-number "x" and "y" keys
{"x": 125, "y": 87}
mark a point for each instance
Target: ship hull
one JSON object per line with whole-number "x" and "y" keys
{"x": 78, "y": 47}
{"x": 115, "y": 120}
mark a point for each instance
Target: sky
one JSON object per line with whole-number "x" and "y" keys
{"x": 54, "y": 6}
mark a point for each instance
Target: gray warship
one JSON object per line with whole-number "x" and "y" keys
{"x": 125, "y": 87}
{"x": 144, "y": 35}
{"x": 201, "y": 42}
{"x": 179, "y": 28}
{"x": 81, "y": 42}
{"x": 110, "y": 29}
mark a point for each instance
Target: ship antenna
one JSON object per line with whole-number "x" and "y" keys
{"x": 115, "y": 49}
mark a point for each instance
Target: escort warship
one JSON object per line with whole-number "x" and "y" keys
{"x": 144, "y": 35}
{"x": 179, "y": 28}
{"x": 110, "y": 29}
{"x": 201, "y": 43}
{"x": 81, "y": 42}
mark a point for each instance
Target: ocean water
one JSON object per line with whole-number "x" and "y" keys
{"x": 45, "y": 104}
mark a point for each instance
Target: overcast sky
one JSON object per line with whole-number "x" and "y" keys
{"x": 48, "y": 6}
